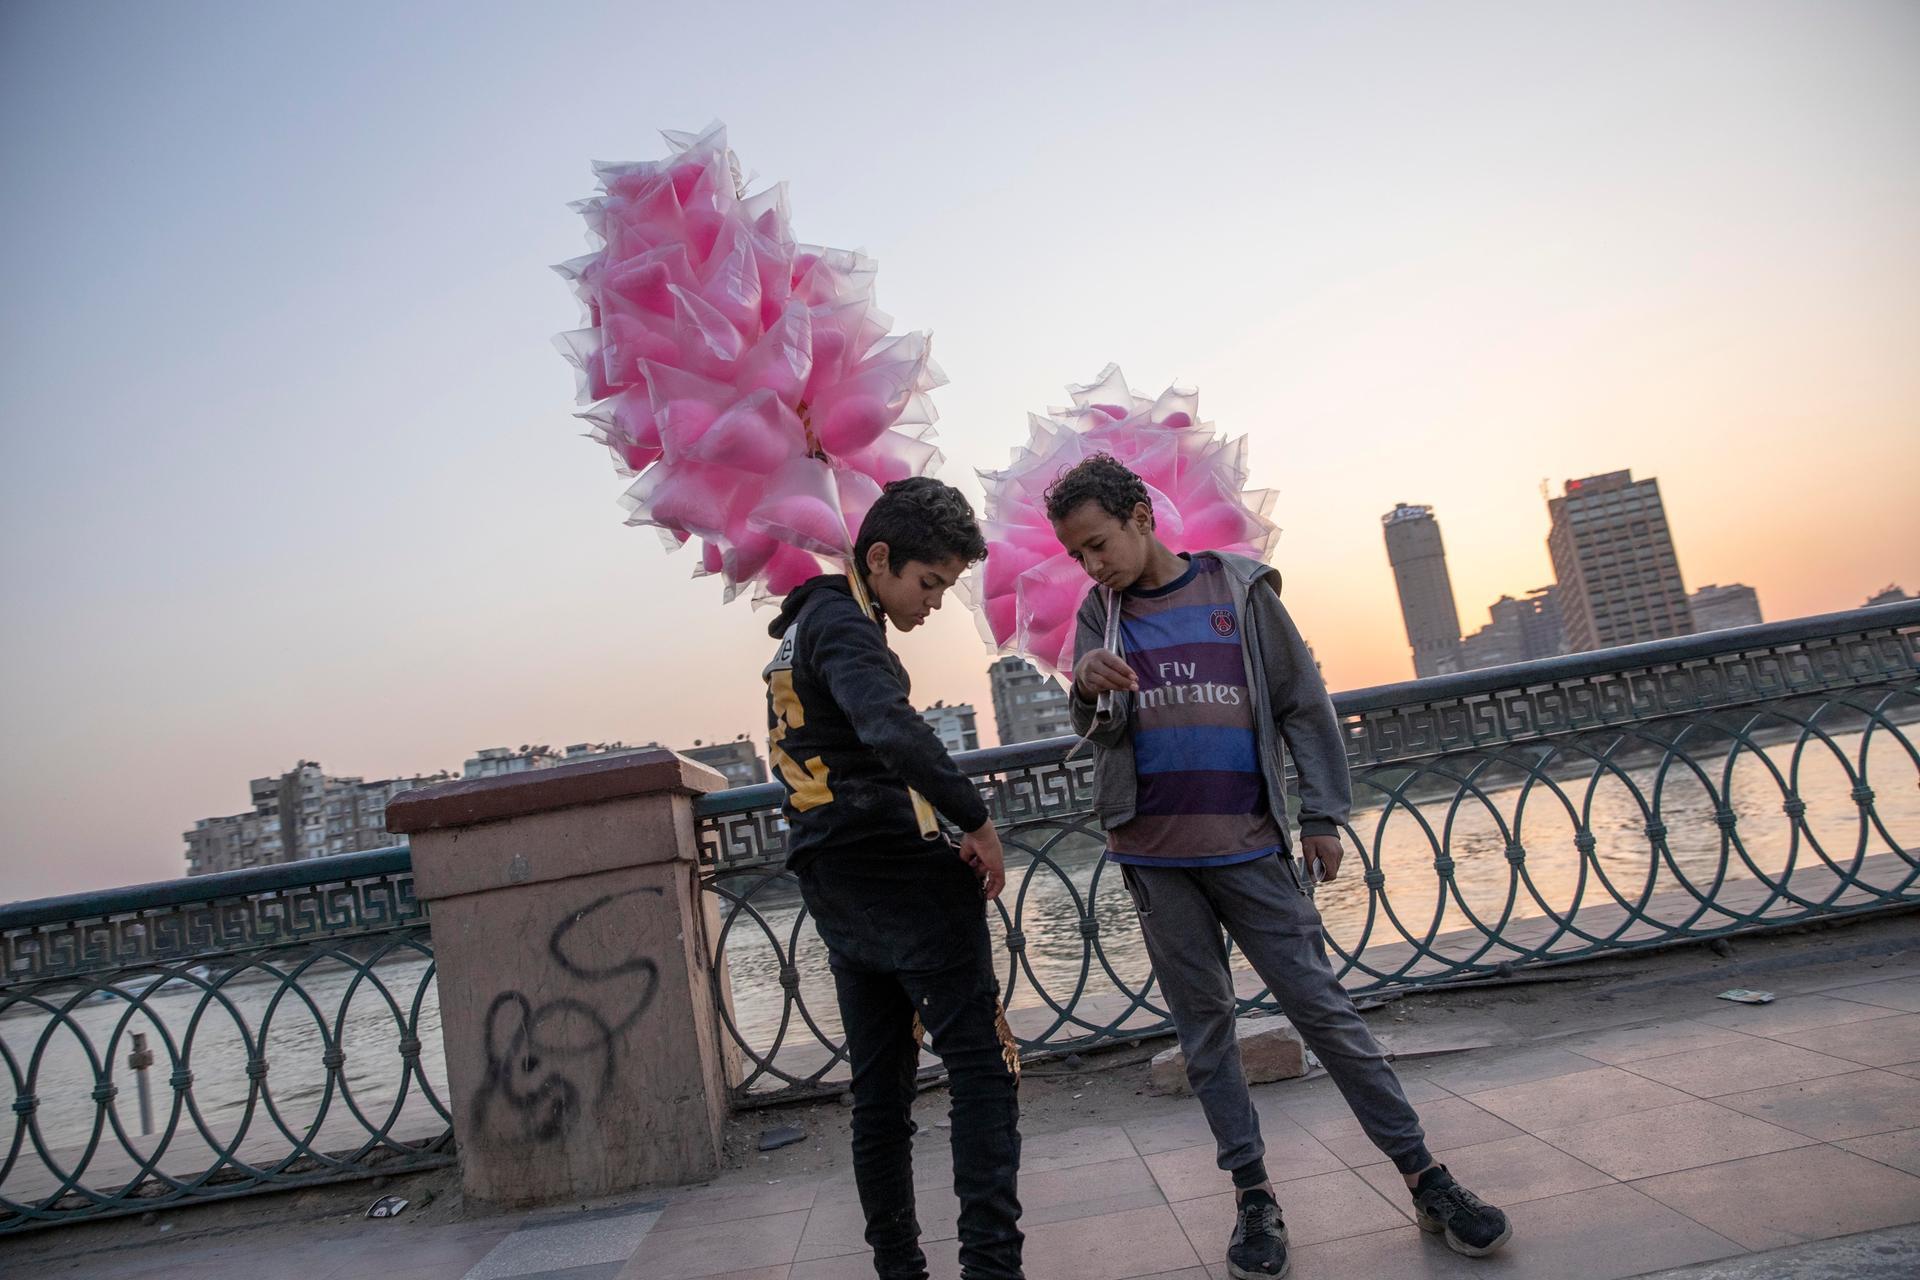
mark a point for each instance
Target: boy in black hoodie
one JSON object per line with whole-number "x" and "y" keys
{"x": 899, "y": 908}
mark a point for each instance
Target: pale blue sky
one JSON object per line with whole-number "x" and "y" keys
{"x": 288, "y": 464}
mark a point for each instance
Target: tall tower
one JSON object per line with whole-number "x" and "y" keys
{"x": 1613, "y": 555}
{"x": 1426, "y": 592}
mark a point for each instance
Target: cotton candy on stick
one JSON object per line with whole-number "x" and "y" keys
{"x": 1028, "y": 591}
{"x": 746, "y": 383}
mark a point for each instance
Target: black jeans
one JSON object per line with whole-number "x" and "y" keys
{"x": 906, "y": 932}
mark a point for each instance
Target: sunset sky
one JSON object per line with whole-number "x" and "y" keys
{"x": 289, "y": 467}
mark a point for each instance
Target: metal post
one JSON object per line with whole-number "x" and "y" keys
{"x": 139, "y": 1060}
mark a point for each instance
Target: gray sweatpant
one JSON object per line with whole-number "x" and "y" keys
{"x": 1277, "y": 928}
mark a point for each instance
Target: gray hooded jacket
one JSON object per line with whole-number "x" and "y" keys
{"x": 1282, "y": 678}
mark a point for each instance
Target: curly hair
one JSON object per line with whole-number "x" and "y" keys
{"x": 920, "y": 518}
{"x": 1103, "y": 479}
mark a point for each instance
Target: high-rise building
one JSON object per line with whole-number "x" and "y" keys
{"x": 1715, "y": 608}
{"x": 1889, "y": 594}
{"x": 1419, "y": 563}
{"x": 1027, "y": 706}
{"x": 954, "y": 724}
{"x": 737, "y": 760}
{"x": 299, "y": 815}
{"x": 1613, "y": 556}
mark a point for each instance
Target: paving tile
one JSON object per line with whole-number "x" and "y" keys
{"x": 1329, "y": 1206}
{"x": 1576, "y": 1099}
{"x": 1449, "y": 1122}
{"x": 598, "y": 1271}
{"x": 1644, "y": 1143}
{"x": 1599, "y": 1234}
{"x": 1475, "y": 1072}
{"x": 1070, "y": 1148}
{"x": 1087, "y": 1191}
{"x": 1896, "y": 993}
{"x": 563, "y": 1241}
{"x": 1187, "y": 1128}
{"x": 837, "y": 1225}
{"x": 1734, "y": 1068}
{"x": 1906, "y": 1069}
{"x": 1653, "y": 1040}
{"x": 1793, "y": 1013}
{"x": 860, "y": 1266}
{"x": 1900, "y": 1149}
{"x": 1137, "y": 1242}
{"x": 1317, "y": 1097}
{"x": 1508, "y": 1172}
{"x": 1883, "y": 1042}
{"x": 1765, "y": 1202}
{"x": 449, "y": 1251}
{"x": 744, "y": 1200}
{"x": 1849, "y": 1106}
{"x": 1195, "y": 1171}
{"x": 717, "y": 1248}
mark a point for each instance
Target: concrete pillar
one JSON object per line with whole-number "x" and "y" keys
{"x": 584, "y": 1056}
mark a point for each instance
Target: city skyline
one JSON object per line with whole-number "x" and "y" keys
{"x": 290, "y": 468}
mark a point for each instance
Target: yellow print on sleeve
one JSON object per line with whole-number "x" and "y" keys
{"x": 808, "y": 783}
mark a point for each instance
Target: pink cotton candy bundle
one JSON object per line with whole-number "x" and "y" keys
{"x": 746, "y": 383}
{"x": 1028, "y": 590}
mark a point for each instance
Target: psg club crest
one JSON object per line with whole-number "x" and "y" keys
{"x": 1223, "y": 622}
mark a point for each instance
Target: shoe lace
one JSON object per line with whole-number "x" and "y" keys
{"x": 1258, "y": 1217}
{"x": 1454, "y": 1197}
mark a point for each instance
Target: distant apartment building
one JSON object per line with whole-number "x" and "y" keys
{"x": 737, "y": 760}
{"x": 299, "y": 815}
{"x": 580, "y": 752}
{"x": 1419, "y": 561}
{"x": 1615, "y": 564}
{"x": 1889, "y": 594}
{"x": 1027, "y": 706}
{"x": 1519, "y": 631}
{"x": 498, "y": 762}
{"x": 1715, "y": 608}
{"x": 954, "y": 724}
{"x": 1497, "y": 644}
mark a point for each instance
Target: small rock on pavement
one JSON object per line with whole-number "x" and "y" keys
{"x": 779, "y": 1136}
{"x": 1270, "y": 1049}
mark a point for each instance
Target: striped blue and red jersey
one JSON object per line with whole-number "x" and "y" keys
{"x": 1201, "y": 797}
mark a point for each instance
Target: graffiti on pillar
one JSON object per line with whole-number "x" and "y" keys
{"x": 544, "y": 1061}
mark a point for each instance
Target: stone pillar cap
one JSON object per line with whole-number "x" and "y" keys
{"x": 470, "y": 801}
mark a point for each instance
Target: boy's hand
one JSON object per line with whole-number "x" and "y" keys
{"x": 1102, "y": 671}
{"x": 1322, "y": 854}
{"x": 980, "y": 849}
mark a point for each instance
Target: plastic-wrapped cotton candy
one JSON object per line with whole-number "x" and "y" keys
{"x": 1028, "y": 591}
{"x": 746, "y": 383}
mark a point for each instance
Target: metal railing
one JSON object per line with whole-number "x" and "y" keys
{"x": 281, "y": 1014}
{"x": 1523, "y": 815}
{"x": 278, "y": 1027}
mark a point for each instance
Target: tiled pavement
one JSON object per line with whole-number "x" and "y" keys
{"x": 1617, "y": 1152}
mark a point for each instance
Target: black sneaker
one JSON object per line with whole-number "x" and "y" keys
{"x": 1472, "y": 1226}
{"x": 1258, "y": 1250}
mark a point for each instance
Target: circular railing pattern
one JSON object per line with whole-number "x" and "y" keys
{"x": 287, "y": 1066}
{"x": 1460, "y": 865}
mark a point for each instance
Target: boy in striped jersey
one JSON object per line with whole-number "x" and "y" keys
{"x": 1192, "y": 682}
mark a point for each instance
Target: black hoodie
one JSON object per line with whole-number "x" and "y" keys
{"x": 845, "y": 741}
